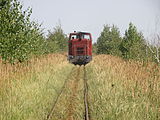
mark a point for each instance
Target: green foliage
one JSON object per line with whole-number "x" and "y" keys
{"x": 120, "y": 91}
{"x": 109, "y": 41}
{"x": 3, "y": 3}
{"x": 94, "y": 48}
{"x": 133, "y": 44}
{"x": 56, "y": 40}
{"x": 32, "y": 92}
{"x": 153, "y": 53}
{"x": 19, "y": 37}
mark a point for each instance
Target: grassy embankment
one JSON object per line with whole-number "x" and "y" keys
{"x": 123, "y": 90}
{"x": 28, "y": 91}
{"x": 118, "y": 89}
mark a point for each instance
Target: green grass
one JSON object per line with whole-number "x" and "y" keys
{"x": 118, "y": 90}
{"x": 31, "y": 97}
{"x": 116, "y": 96}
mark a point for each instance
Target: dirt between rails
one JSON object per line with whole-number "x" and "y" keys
{"x": 72, "y": 97}
{"x": 70, "y": 105}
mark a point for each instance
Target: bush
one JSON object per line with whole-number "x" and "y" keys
{"x": 133, "y": 44}
{"x": 19, "y": 37}
{"x": 109, "y": 41}
{"x": 56, "y": 40}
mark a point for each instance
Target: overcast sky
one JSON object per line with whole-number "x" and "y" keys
{"x": 91, "y": 15}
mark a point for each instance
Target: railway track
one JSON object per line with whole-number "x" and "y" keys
{"x": 86, "y": 102}
{"x": 72, "y": 82}
{"x": 60, "y": 93}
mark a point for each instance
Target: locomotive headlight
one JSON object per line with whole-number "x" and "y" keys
{"x": 71, "y": 57}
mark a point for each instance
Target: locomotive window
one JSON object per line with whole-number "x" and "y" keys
{"x": 86, "y": 37}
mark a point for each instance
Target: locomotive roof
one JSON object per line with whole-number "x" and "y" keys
{"x": 80, "y": 33}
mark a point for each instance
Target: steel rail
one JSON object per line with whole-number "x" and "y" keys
{"x": 60, "y": 93}
{"x": 86, "y": 102}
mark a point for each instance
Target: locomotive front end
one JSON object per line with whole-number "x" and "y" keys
{"x": 80, "y": 48}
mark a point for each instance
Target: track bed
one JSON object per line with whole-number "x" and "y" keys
{"x": 72, "y": 101}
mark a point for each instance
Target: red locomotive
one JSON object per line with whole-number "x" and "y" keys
{"x": 80, "y": 48}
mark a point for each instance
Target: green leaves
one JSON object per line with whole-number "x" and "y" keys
{"x": 109, "y": 41}
{"x": 19, "y": 37}
{"x": 57, "y": 40}
{"x": 133, "y": 44}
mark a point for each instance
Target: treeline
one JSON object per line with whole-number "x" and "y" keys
{"x": 131, "y": 46}
{"x": 21, "y": 38}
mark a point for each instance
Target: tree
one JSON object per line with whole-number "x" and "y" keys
{"x": 94, "y": 47}
{"x": 57, "y": 40}
{"x": 133, "y": 44}
{"x": 154, "y": 49}
{"x": 154, "y": 44}
{"x": 3, "y": 3}
{"x": 19, "y": 37}
{"x": 109, "y": 41}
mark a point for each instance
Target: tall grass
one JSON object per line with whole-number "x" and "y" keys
{"x": 28, "y": 91}
{"x": 123, "y": 90}
{"x": 118, "y": 89}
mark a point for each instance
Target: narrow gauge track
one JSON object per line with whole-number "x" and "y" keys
{"x": 85, "y": 91}
{"x": 60, "y": 93}
{"x": 86, "y": 102}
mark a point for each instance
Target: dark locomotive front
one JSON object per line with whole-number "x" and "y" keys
{"x": 80, "y": 48}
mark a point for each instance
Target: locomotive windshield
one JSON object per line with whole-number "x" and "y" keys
{"x": 86, "y": 36}
{"x": 80, "y": 36}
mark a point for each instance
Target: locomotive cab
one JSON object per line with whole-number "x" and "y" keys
{"x": 80, "y": 48}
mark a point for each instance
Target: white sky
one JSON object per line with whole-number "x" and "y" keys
{"x": 91, "y": 15}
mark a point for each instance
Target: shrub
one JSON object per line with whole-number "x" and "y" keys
{"x": 19, "y": 37}
{"x": 109, "y": 41}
